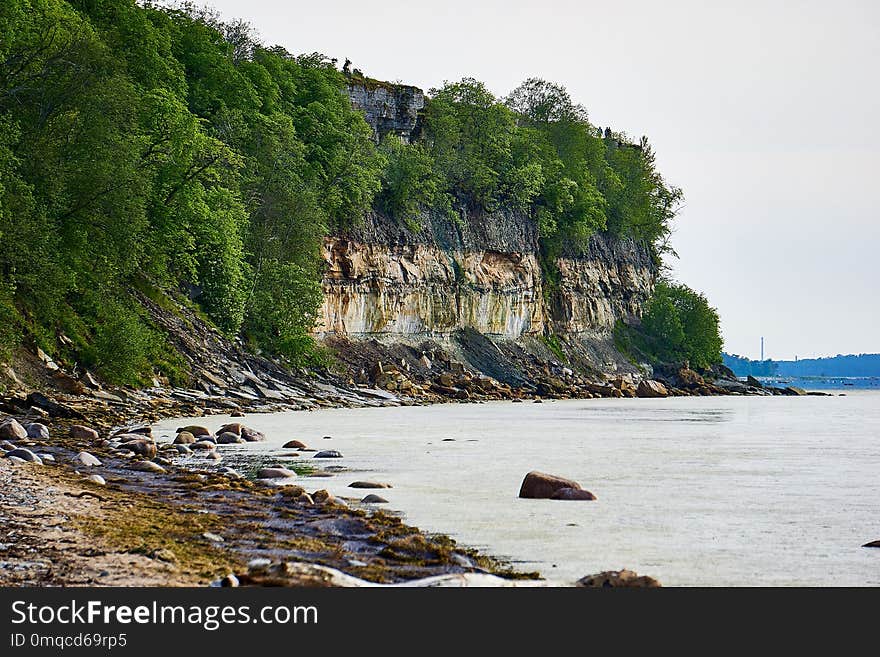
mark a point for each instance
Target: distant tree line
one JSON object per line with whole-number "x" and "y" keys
{"x": 852, "y": 365}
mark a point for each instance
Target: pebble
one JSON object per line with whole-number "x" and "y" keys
{"x": 79, "y": 432}
{"x": 86, "y": 459}
{"x": 328, "y": 454}
{"x": 147, "y": 466}
{"x": 96, "y": 479}
{"x": 38, "y": 430}
{"x": 25, "y": 455}
{"x": 12, "y": 430}
{"x": 275, "y": 473}
{"x": 184, "y": 438}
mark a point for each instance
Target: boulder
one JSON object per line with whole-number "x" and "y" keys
{"x": 794, "y": 391}
{"x": 369, "y": 484}
{"x": 618, "y": 579}
{"x": 140, "y": 447}
{"x": 275, "y": 473}
{"x": 147, "y": 466}
{"x": 195, "y": 430}
{"x": 321, "y": 496}
{"x": 233, "y": 427}
{"x": 86, "y": 459}
{"x": 96, "y": 479}
{"x": 184, "y": 438}
{"x": 203, "y": 445}
{"x": 24, "y": 455}
{"x": 328, "y": 454}
{"x": 651, "y": 389}
{"x": 539, "y": 485}
{"x": 229, "y": 438}
{"x": 572, "y": 494}
{"x": 79, "y": 432}
{"x": 872, "y": 544}
{"x": 753, "y": 382}
{"x": 374, "y": 499}
{"x": 252, "y": 435}
{"x": 687, "y": 378}
{"x": 10, "y": 429}
{"x": 295, "y": 444}
{"x": 37, "y": 430}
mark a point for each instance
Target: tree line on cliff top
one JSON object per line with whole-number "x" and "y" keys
{"x": 147, "y": 150}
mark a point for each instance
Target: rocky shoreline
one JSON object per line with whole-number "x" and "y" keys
{"x": 145, "y": 516}
{"x": 89, "y": 498}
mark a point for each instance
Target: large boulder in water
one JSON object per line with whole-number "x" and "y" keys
{"x": 572, "y": 494}
{"x": 651, "y": 389}
{"x": 252, "y": 435}
{"x": 539, "y": 485}
{"x": 195, "y": 430}
{"x": 184, "y": 438}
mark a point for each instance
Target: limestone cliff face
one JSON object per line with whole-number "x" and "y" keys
{"x": 482, "y": 273}
{"x": 389, "y": 108}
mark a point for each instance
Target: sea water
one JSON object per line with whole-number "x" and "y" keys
{"x": 706, "y": 491}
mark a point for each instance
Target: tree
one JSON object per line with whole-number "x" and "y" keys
{"x": 678, "y": 325}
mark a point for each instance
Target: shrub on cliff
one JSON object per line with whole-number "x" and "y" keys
{"x": 678, "y": 325}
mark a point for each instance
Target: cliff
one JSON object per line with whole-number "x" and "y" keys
{"x": 387, "y": 283}
{"x": 472, "y": 288}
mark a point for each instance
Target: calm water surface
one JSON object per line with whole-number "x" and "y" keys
{"x": 693, "y": 490}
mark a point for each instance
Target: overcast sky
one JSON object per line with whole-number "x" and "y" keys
{"x": 765, "y": 113}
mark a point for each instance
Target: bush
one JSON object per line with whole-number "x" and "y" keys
{"x": 678, "y": 325}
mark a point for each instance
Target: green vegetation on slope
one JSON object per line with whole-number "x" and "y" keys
{"x": 140, "y": 143}
{"x": 678, "y": 325}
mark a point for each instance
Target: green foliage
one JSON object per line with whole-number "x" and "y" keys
{"x": 143, "y": 142}
{"x": 410, "y": 182}
{"x": 535, "y": 152}
{"x": 678, "y": 325}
